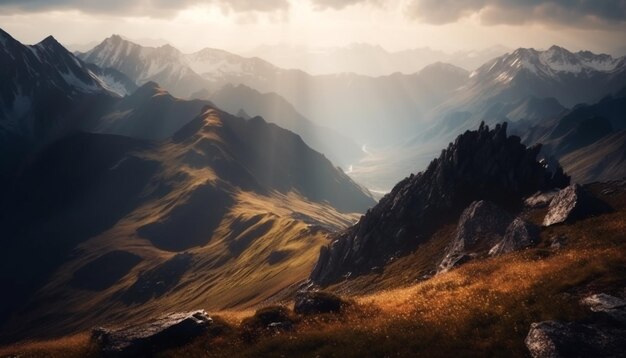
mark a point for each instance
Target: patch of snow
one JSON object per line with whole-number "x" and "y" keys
{"x": 71, "y": 79}
{"x": 109, "y": 83}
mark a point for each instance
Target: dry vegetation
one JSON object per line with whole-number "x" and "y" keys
{"x": 483, "y": 308}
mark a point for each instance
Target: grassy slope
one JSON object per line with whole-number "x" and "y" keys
{"x": 221, "y": 276}
{"x": 482, "y": 308}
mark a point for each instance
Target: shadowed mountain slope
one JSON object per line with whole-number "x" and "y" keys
{"x": 225, "y": 191}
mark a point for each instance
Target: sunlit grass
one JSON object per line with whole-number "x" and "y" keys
{"x": 483, "y": 308}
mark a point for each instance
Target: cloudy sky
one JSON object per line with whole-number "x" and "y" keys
{"x": 240, "y": 25}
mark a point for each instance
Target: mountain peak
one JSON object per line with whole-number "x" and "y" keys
{"x": 5, "y": 37}
{"x": 50, "y": 42}
{"x": 556, "y": 48}
{"x": 116, "y": 38}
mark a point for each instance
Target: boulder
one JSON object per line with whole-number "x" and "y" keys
{"x": 481, "y": 226}
{"x": 145, "y": 339}
{"x": 610, "y": 307}
{"x": 540, "y": 199}
{"x": 552, "y": 339}
{"x": 519, "y": 235}
{"x": 314, "y": 302}
{"x": 602, "y": 335}
{"x": 573, "y": 203}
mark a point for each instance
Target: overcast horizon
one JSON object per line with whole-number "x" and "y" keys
{"x": 440, "y": 25}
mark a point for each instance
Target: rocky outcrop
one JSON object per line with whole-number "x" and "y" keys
{"x": 314, "y": 302}
{"x": 480, "y": 165}
{"x": 573, "y": 203}
{"x": 146, "y": 339}
{"x": 519, "y": 234}
{"x": 603, "y": 335}
{"x": 484, "y": 227}
{"x": 481, "y": 226}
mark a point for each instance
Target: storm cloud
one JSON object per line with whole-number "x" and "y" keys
{"x": 150, "y": 8}
{"x": 515, "y": 12}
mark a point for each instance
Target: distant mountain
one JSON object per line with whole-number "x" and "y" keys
{"x": 272, "y": 107}
{"x": 164, "y": 65}
{"x": 574, "y": 137}
{"x": 149, "y": 113}
{"x": 369, "y": 60}
{"x": 570, "y": 78}
{"x": 602, "y": 160}
{"x": 367, "y": 109}
{"x": 45, "y": 93}
{"x": 42, "y": 80}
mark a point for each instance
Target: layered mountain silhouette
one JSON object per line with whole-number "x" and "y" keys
{"x": 166, "y": 190}
{"x": 340, "y": 149}
{"x": 367, "y": 109}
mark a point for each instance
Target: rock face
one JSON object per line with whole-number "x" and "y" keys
{"x": 317, "y": 302}
{"x": 479, "y": 165}
{"x": 481, "y": 226}
{"x": 146, "y": 339}
{"x": 573, "y": 203}
{"x": 603, "y": 335}
{"x": 519, "y": 234}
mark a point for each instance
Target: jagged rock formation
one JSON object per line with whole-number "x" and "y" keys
{"x": 480, "y": 165}
{"x": 146, "y": 339}
{"x": 573, "y": 203}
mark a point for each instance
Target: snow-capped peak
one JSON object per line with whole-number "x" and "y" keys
{"x": 549, "y": 63}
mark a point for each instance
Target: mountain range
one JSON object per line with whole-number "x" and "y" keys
{"x": 145, "y": 181}
{"x": 370, "y": 60}
{"x": 348, "y": 103}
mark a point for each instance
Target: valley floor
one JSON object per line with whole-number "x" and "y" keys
{"x": 483, "y": 308}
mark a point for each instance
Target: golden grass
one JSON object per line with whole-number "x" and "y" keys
{"x": 483, "y": 308}
{"x": 77, "y": 345}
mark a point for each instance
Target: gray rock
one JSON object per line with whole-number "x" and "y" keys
{"x": 573, "y": 203}
{"x": 145, "y": 339}
{"x": 540, "y": 199}
{"x": 519, "y": 235}
{"x": 552, "y": 339}
{"x": 611, "y": 307}
{"x": 602, "y": 302}
{"x": 481, "y": 226}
